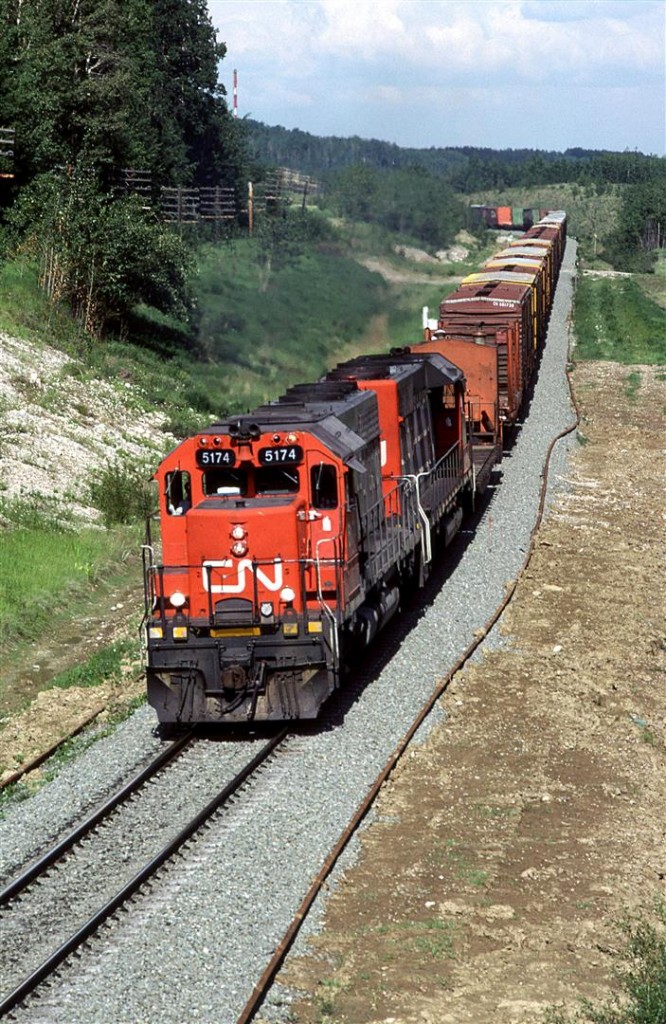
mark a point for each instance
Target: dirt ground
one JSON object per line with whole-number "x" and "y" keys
{"x": 35, "y": 718}
{"x": 508, "y": 846}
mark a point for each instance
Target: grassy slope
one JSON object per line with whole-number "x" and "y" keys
{"x": 615, "y": 320}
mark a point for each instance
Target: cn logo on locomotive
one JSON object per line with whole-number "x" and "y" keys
{"x": 243, "y": 566}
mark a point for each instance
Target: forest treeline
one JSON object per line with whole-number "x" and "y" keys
{"x": 93, "y": 89}
{"x": 465, "y": 168}
{"x": 422, "y": 191}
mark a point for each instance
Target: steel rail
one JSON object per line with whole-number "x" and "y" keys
{"x": 49, "y": 965}
{"x": 39, "y": 759}
{"x": 56, "y": 852}
{"x": 263, "y": 985}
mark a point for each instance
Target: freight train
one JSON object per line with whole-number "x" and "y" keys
{"x": 288, "y": 534}
{"x": 505, "y": 218}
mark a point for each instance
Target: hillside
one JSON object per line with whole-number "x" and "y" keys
{"x": 60, "y": 426}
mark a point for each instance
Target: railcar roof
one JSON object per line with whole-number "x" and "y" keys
{"x": 503, "y": 276}
{"x": 531, "y": 251}
{"x": 399, "y": 364}
{"x": 492, "y": 290}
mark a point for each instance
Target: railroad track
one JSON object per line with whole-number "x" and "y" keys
{"x": 10, "y": 896}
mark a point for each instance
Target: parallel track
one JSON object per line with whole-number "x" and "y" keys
{"x": 51, "y": 963}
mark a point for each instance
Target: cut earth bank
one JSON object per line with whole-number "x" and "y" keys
{"x": 506, "y": 848}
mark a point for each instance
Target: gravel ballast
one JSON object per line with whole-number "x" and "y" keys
{"x": 193, "y": 946}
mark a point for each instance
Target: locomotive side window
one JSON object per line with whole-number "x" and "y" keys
{"x": 324, "y": 486}
{"x": 178, "y": 492}
{"x": 275, "y": 480}
{"x": 224, "y": 481}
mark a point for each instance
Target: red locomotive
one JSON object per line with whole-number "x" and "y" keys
{"x": 288, "y": 534}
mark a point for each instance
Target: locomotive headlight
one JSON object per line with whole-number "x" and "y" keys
{"x": 287, "y": 595}
{"x": 266, "y": 609}
{"x": 178, "y": 599}
{"x": 239, "y": 548}
{"x": 238, "y": 533}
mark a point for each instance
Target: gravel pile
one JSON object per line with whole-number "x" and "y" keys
{"x": 193, "y": 947}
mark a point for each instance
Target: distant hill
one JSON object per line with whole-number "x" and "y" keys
{"x": 312, "y": 154}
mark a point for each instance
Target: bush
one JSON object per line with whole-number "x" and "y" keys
{"x": 122, "y": 493}
{"x": 641, "y": 974}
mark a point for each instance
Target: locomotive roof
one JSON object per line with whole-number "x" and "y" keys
{"x": 343, "y": 416}
{"x": 401, "y": 365}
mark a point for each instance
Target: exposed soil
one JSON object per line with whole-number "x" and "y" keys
{"x": 35, "y": 718}
{"x": 507, "y": 847}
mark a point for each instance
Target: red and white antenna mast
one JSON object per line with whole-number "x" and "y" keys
{"x": 235, "y": 93}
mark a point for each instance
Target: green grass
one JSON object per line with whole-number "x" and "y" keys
{"x": 255, "y": 335}
{"x": 102, "y": 666}
{"x": 257, "y": 341}
{"x": 25, "y": 310}
{"x": 640, "y": 973}
{"x": 614, "y": 320}
{"x": 44, "y": 566}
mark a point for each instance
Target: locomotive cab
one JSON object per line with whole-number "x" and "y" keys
{"x": 253, "y": 542}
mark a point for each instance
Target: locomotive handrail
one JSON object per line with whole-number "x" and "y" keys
{"x": 326, "y": 609}
{"x": 415, "y": 478}
{"x": 444, "y": 479}
{"x": 388, "y": 526}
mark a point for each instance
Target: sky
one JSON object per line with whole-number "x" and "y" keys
{"x": 537, "y": 74}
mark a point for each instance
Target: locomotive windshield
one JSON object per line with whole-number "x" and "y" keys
{"x": 249, "y": 480}
{"x": 224, "y": 481}
{"x": 275, "y": 480}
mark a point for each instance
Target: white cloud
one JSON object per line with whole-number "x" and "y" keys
{"x": 364, "y": 29}
{"x": 331, "y": 56}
